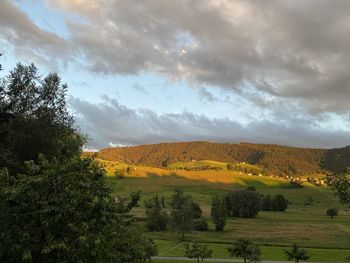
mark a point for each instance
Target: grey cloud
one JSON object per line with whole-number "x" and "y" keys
{"x": 287, "y": 49}
{"x": 29, "y": 41}
{"x": 109, "y": 122}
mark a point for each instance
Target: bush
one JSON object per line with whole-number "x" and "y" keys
{"x": 200, "y": 224}
{"x": 279, "y": 203}
{"x": 332, "y": 212}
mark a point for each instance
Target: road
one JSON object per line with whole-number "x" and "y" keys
{"x": 221, "y": 260}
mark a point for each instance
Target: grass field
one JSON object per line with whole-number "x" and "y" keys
{"x": 326, "y": 239}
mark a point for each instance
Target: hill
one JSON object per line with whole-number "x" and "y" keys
{"x": 273, "y": 159}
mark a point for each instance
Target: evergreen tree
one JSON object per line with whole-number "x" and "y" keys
{"x": 218, "y": 212}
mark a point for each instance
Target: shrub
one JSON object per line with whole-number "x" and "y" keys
{"x": 332, "y": 212}
{"x": 200, "y": 224}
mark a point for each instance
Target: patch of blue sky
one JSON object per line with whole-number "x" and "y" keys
{"x": 46, "y": 18}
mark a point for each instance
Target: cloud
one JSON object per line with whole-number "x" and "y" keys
{"x": 296, "y": 50}
{"x": 28, "y": 40}
{"x": 289, "y": 60}
{"x": 110, "y": 123}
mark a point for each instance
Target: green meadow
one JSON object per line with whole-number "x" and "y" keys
{"x": 326, "y": 239}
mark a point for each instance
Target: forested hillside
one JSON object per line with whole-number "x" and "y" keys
{"x": 274, "y": 159}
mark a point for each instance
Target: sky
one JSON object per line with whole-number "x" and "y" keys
{"x": 152, "y": 71}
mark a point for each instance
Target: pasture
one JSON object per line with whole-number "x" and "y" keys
{"x": 326, "y": 239}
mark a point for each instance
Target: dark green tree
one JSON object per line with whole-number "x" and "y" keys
{"x": 34, "y": 119}
{"x": 197, "y": 211}
{"x": 279, "y": 203}
{"x": 200, "y": 224}
{"x": 197, "y": 251}
{"x": 182, "y": 214}
{"x": 157, "y": 219}
{"x": 218, "y": 212}
{"x": 296, "y": 254}
{"x": 266, "y": 203}
{"x": 340, "y": 184}
{"x": 246, "y": 250}
{"x": 332, "y": 212}
{"x": 57, "y": 207}
{"x": 243, "y": 203}
{"x": 61, "y": 212}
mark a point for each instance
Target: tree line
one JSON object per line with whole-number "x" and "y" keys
{"x": 186, "y": 215}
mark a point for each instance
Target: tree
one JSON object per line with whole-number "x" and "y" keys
{"x": 182, "y": 214}
{"x": 61, "y": 212}
{"x": 197, "y": 251}
{"x": 196, "y": 209}
{"x": 279, "y": 203}
{"x": 296, "y": 253}
{"x": 340, "y": 185}
{"x": 200, "y": 224}
{"x": 245, "y": 249}
{"x": 55, "y": 207}
{"x": 34, "y": 119}
{"x": 266, "y": 203}
{"x": 157, "y": 219}
{"x": 255, "y": 253}
{"x": 218, "y": 212}
{"x": 309, "y": 201}
{"x": 332, "y": 212}
{"x": 243, "y": 203}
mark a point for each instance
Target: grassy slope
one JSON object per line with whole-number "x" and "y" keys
{"x": 308, "y": 226}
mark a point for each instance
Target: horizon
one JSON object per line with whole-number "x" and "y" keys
{"x": 212, "y": 142}
{"x": 270, "y": 72}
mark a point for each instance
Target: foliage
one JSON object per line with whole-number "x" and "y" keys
{"x": 196, "y": 210}
{"x": 218, "y": 212}
{"x": 243, "y": 203}
{"x": 157, "y": 219}
{"x": 296, "y": 253}
{"x": 55, "y": 205}
{"x": 279, "y": 203}
{"x": 272, "y": 159}
{"x": 197, "y": 251}
{"x": 200, "y": 224}
{"x": 340, "y": 184}
{"x": 266, "y": 203}
{"x": 332, "y": 212}
{"x": 309, "y": 201}
{"x": 182, "y": 214}
{"x": 34, "y": 119}
{"x": 61, "y": 212}
{"x": 245, "y": 249}
{"x": 245, "y": 168}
